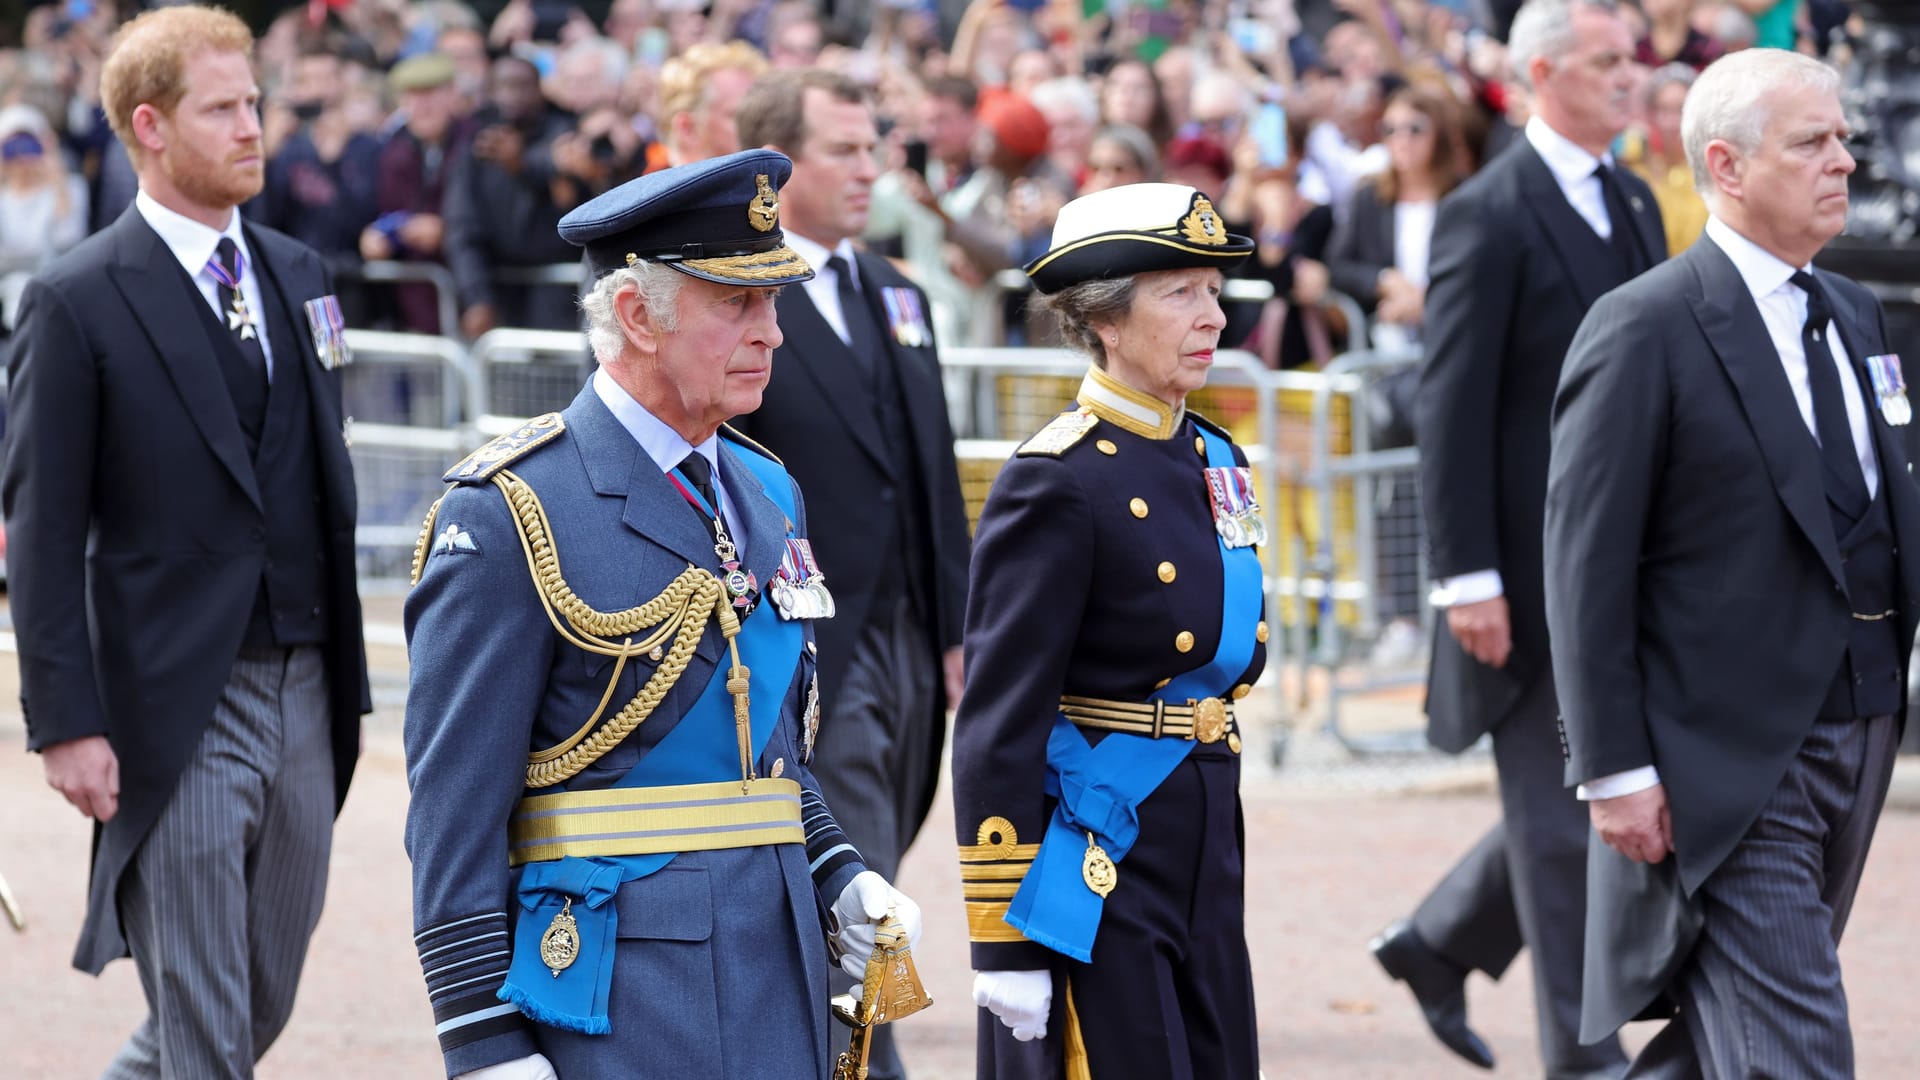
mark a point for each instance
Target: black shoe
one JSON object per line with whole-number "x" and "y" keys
{"x": 1438, "y": 984}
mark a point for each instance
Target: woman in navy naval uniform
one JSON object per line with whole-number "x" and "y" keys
{"x": 1114, "y": 616}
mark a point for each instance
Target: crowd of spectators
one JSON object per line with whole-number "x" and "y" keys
{"x": 422, "y": 132}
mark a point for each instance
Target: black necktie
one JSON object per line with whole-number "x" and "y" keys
{"x": 1839, "y": 463}
{"x": 1623, "y": 240}
{"x": 862, "y": 337}
{"x": 241, "y": 322}
{"x": 700, "y": 475}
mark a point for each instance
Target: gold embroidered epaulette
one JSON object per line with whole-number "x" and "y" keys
{"x": 1060, "y": 434}
{"x": 990, "y": 873}
{"x": 735, "y": 436}
{"x": 479, "y": 466}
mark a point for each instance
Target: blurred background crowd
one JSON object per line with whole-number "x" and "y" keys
{"x": 457, "y": 134}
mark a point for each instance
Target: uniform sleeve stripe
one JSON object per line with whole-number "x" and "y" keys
{"x": 459, "y": 944}
{"x": 474, "y": 1018}
{"x": 828, "y": 854}
{"x": 495, "y": 977}
{"x": 427, "y": 932}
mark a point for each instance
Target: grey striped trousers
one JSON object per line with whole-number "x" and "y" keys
{"x": 222, "y": 897}
{"x": 1761, "y": 995}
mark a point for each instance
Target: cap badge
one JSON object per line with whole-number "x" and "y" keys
{"x": 1202, "y": 224}
{"x": 763, "y": 213}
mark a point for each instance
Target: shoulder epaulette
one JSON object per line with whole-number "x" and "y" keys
{"x": 479, "y": 466}
{"x": 1060, "y": 434}
{"x": 735, "y": 436}
{"x": 1202, "y": 421}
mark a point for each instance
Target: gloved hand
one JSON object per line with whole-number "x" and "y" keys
{"x": 535, "y": 1067}
{"x": 1021, "y": 999}
{"x": 857, "y": 913}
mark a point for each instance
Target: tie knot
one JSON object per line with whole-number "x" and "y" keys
{"x": 697, "y": 470}
{"x": 842, "y": 272}
{"x": 227, "y": 254}
{"x": 1818, "y": 312}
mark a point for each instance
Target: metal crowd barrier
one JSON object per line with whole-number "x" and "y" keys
{"x": 446, "y": 293}
{"x": 522, "y": 373}
{"x": 405, "y": 400}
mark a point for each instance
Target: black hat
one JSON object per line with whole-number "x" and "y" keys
{"x": 1133, "y": 229}
{"x": 717, "y": 219}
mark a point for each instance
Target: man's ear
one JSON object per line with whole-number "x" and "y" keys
{"x": 149, "y": 128}
{"x": 637, "y": 324}
{"x": 1728, "y": 171}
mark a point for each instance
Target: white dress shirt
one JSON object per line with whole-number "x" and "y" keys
{"x": 824, "y": 289}
{"x": 1572, "y": 168}
{"x": 193, "y": 244}
{"x": 667, "y": 447}
{"x": 1413, "y": 239}
{"x": 1783, "y": 307}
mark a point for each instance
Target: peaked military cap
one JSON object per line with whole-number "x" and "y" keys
{"x": 1133, "y": 229}
{"x": 717, "y": 219}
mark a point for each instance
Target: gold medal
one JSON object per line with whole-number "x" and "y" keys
{"x": 560, "y": 945}
{"x": 1098, "y": 870}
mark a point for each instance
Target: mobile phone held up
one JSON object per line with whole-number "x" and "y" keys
{"x": 916, "y": 151}
{"x": 1270, "y": 134}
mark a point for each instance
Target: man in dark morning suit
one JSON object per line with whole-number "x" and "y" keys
{"x": 180, "y": 507}
{"x": 857, "y": 411}
{"x": 1733, "y": 552}
{"x": 1520, "y": 251}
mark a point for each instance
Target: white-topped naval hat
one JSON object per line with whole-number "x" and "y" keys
{"x": 1132, "y": 229}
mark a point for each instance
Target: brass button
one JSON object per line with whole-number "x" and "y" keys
{"x": 779, "y": 766}
{"x": 1260, "y": 632}
{"x": 1233, "y": 741}
{"x": 1161, "y": 683}
{"x": 1241, "y": 691}
{"x": 657, "y": 654}
{"x": 1167, "y": 572}
{"x": 1139, "y": 507}
{"x": 1200, "y": 446}
{"x": 1106, "y": 447}
{"x": 1184, "y": 642}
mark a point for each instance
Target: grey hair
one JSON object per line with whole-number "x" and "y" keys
{"x": 1674, "y": 74}
{"x": 613, "y": 59}
{"x": 1137, "y": 142}
{"x": 1078, "y": 306}
{"x": 1727, "y": 102}
{"x": 1544, "y": 28}
{"x": 1067, "y": 92}
{"x": 659, "y": 288}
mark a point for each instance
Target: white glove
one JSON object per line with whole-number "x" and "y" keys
{"x": 1021, "y": 999}
{"x": 536, "y": 1067}
{"x": 857, "y": 914}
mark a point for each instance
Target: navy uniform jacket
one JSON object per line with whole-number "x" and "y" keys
{"x": 1073, "y": 592}
{"x": 716, "y": 940}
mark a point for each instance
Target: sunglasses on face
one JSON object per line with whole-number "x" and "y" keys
{"x": 1414, "y": 128}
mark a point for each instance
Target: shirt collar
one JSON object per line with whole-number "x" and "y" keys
{"x": 664, "y": 445}
{"x": 1569, "y": 162}
{"x": 191, "y": 242}
{"x": 1762, "y": 270}
{"x": 1131, "y": 410}
{"x": 817, "y": 255}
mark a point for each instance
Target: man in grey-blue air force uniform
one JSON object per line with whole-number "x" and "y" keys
{"x": 622, "y": 866}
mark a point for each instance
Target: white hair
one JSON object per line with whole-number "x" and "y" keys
{"x": 1727, "y": 102}
{"x": 1544, "y": 28}
{"x": 1067, "y": 92}
{"x": 659, "y": 289}
{"x": 613, "y": 59}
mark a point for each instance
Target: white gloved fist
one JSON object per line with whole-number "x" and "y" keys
{"x": 857, "y": 914}
{"x": 1021, "y": 999}
{"x": 535, "y": 1067}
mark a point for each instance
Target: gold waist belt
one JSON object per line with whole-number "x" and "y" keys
{"x": 1209, "y": 719}
{"x": 651, "y": 820}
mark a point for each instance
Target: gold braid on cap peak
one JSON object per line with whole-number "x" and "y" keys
{"x": 680, "y": 612}
{"x": 782, "y": 262}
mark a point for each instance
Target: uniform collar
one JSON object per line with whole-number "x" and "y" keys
{"x": 1131, "y": 410}
{"x": 191, "y": 242}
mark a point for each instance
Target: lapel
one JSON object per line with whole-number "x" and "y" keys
{"x": 1579, "y": 248}
{"x": 1731, "y": 321}
{"x": 1646, "y": 217}
{"x": 820, "y": 353}
{"x": 158, "y": 291}
{"x": 1860, "y": 333}
{"x": 765, "y": 526}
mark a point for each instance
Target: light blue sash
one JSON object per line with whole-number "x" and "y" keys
{"x": 1100, "y": 788}
{"x": 701, "y": 748}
